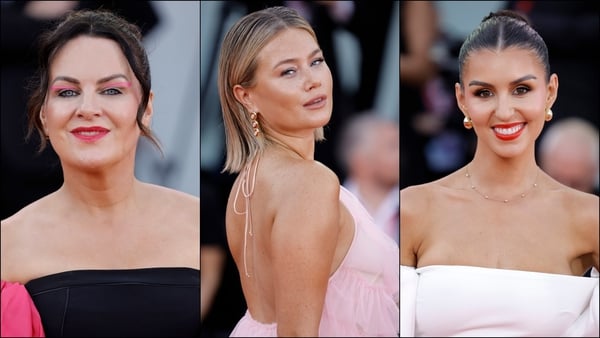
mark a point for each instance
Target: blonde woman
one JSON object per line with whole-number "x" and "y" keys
{"x": 310, "y": 259}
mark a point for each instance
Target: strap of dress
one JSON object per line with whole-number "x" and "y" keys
{"x": 247, "y": 186}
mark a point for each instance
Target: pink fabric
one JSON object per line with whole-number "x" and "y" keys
{"x": 18, "y": 315}
{"x": 362, "y": 295}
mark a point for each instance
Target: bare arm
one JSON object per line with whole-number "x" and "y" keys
{"x": 410, "y": 225}
{"x": 303, "y": 243}
{"x": 421, "y": 29}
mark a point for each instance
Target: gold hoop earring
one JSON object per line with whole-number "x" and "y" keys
{"x": 549, "y": 114}
{"x": 255, "y": 127}
{"x": 467, "y": 122}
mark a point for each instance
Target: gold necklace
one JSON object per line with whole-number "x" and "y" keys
{"x": 487, "y": 197}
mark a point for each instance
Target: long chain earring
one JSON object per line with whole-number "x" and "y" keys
{"x": 467, "y": 122}
{"x": 254, "y": 118}
{"x": 549, "y": 115}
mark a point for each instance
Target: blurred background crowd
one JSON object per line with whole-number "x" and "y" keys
{"x": 395, "y": 122}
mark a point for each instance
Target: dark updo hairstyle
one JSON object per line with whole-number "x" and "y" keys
{"x": 501, "y": 30}
{"x": 93, "y": 23}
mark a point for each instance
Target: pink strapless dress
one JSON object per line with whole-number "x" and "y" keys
{"x": 362, "y": 294}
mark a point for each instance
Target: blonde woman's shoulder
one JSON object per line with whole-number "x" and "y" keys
{"x": 306, "y": 179}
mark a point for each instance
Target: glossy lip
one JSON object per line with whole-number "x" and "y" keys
{"x": 90, "y": 134}
{"x": 509, "y": 137}
{"x": 316, "y": 102}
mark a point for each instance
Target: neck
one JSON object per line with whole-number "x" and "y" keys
{"x": 300, "y": 147}
{"x": 502, "y": 179}
{"x": 100, "y": 192}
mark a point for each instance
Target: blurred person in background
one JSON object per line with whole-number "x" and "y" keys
{"x": 106, "y": 254}
{"x": 310, "y": 259}
{"x": 370, "y": 154}
{"x": 569, "y": 153}
{"x": 419, "y": 32}
{"x": 26, "y": 174}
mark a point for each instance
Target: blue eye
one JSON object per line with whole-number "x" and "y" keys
{"x": 111, "y": 91}
{"x": 67, "y": 93}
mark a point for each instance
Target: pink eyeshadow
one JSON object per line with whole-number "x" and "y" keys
{"x": 123, "y": 84}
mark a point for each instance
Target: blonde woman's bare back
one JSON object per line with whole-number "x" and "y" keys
{"x": 300, "y": 234}
{"x": 553, "y": 229}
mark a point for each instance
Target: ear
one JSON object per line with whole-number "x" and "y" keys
{"x": 460, "y": 98}
{"x": 552, "y": 90}
{"x": 243, "y": 95}
{"x": 43, "y": 120}
{"x": 147, "y": 117}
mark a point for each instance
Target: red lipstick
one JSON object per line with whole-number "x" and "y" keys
{"x": 509, "y": 131}
{"x": 89, "y": 134}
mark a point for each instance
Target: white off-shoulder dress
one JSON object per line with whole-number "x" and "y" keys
{"x": 469, "y": 301}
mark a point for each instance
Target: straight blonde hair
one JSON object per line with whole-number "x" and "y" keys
{"x": 237, "y": 65}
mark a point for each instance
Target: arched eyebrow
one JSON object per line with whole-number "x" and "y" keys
{"x": 521, "y": 79}
{"x": 102, "y": 80}
{"x": 291, "y": 60}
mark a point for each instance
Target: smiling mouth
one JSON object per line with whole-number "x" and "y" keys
{"x": 507, "y": 133}
{"x": 90, "y": 135}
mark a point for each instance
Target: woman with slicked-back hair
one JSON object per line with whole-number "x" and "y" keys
{"x": 105, "y": 255}
{"x": 310, "y": 259}
{"x": 499, "y": 248}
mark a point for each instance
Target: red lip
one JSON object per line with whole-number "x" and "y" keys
{"x": 513, "y": 134}
{"x": 316, "y": 102}
{"x": 90, "y": 134}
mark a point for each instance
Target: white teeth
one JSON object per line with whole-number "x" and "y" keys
{"x": 508, "y": 131}
{"x": 88, "y": 133}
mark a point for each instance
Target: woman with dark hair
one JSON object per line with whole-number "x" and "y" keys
{"x": 498, "y": 247}
{"x": 105, "y": 254}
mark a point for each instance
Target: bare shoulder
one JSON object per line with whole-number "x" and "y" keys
{"x": 584, "y": 208}
{"x": 171, "y": 200}
{"x": 414, "y": 206}
{"x": 304, "y": 190}
{"x": 174, "y": 208}
{"x": 414, "y": 199}
{"x": 18, "y": 236}
{"x": 307, "y": 179}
